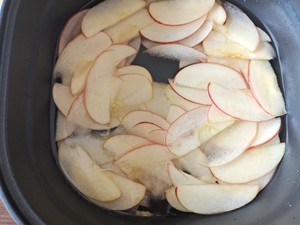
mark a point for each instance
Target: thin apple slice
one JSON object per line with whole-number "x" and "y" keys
{"x": 132, "y": 193}
{"x": 122, "y": 52}
{"x": 175, "y": 99}
{"x": 71, "y": 30}
{"x": 215, "y": 115}
{"x": 194, "y": 163}
{"x": 230, "y": 143}
{"x": 174, "y": 113}
{"x": 138, "y": 116}
{"x": 266, "y": 131}
{"x": 78, "y": 50}
{"x": 80, "y": 76}
{"x": 149, "y": 44}
{"x": 159, "y": 104}
{"x": 273, "y": 141}
{"x": 199, "y": 36}
{"x": 150, "y": 132}
{"x": 129, "y": 28}
{"x": 79, "y": 115}
{"x": 240, "y": 27}
{"x": 178, "y": 12}
{"x": 63, "y": 98}
{"x": 263, "y": 35}
{"x": 176, "y": 52}
{"x": 166, "y": 34}
{"x": 218, "y": 45}
{"x": 121, "y": 144}
{"x": 173, "y": 200}
{"x": 135, "y": 89}
{"x": 102, "y": 87}
{"x": 134, "y": 69}
{"x": 217, "y": 14}
{"x": 191, "y": 94}
{"x": 265, "y": 89}
{"x": 213, "y": 198}
{"x": 201, "y": 74}
{"x": 148, "y": 165}
{"x": 136, "y": 44}
{"x": 182, "y": 136}
{"x": 64, "y": 128}
{"x": 263, "y": 181}
{"x": 108, "y": 13}
{"x": 179, "y": 177}
{"x": 246, "y": 167}
{"x": 239, "y": 104}
{"x": 85, "y": 175}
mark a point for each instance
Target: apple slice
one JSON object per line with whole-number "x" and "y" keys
{"x": 178, "y": 12}
{"x": 80, "y": 76}
{"x": 175, "y": 99}
{"x": 138, "y": 116}
{"x": 121, "y": 144}
{"x": 135, "y": 89}
{"x": 136, "y": 44}
{"x": 71, "y": 30}
{"x": 213, "y": 198}
{"x": 174, "y": 113}
{"x": 194, "y": 95}
{"x": 122, "y": 52}
{"x": 265, "y": 89}
{"x": 230, "y": 143}
{"x": 239, "y": 104}
{"x": 130, "y": 27}
{"x": 150, "y": 132}
{"x": 85, "y": 175}
{"x": 132, "y": 193}
{"x": 217, "y": 14}
{"x": 182, "y": 136}
{"x": 166, "y": 34}
{"x": 79, "y": 115}
{"x": 179, "y": 177}
{"x": 102, "y": 87}
{"x": 215, "y": 115}
{"x": 263, "y": 35}
{"x": 266, "y": 131}
{"x": 176, "y": 52}
{"x": 108, "y": 13}
{"x": 201, "y": 74}
{"x": 173, "y": 200}
{"x": 148, "y": 165}
{"x": 149, "y": 44}
{"x": 64, "y": 128}
{"x": 218, "y": 45}
{"x": 251, "y": 165}
{"x": 63, "y": 98}
{"x": 193, "y": 163}
{"x": 263, "y": 181}
{"x": 134, "y": 69}
{"x": 199, "y": 36}
{"x": 240, "y": 27}
{"x": 78, "y": 50}
{"x": 159, "y": 104}
{"x": 273, "y": 141}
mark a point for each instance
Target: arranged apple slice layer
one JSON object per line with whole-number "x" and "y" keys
{"x": 265, "y": 89}
{"x": 160, "y": 33}
{"x": 126, "y": 186}
{"x": 78, "y": 50}
{"x": 148, "y": 165}
{"x": 64, "y": 128}
{"x": 136, "y": 44}
{"x": 178, "y": 12}
{"x": 175, "y": 112}
{"x": 201, "y": 74}
{"x": 263, "y": 181}
{"x": 211, "y": 199}
{"x": 63, "y": 98}
{"x": 86, "y": 176}
{"x": 130, "y": 27}
{"x": 133, "y": 69}
{"x": 217, "y": 14}
{"x": 182, "y": 136}
{"x": 215, "y": 115}
{"x": 239, "y": 104}
{"x": 251, "y": 165}
{"x": 173, "y": 200}
{"x": 108, "y": 13}
{"x": 80, "y": 76}
{"x": 230, "y": 143}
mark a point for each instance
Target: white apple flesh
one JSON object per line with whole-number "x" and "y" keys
{"x": 63, "y": 98}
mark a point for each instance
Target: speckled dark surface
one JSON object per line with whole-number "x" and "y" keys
{"x": 31, "y": 184}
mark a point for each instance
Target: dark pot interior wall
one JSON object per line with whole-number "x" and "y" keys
{"x": 32, "y": 183}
